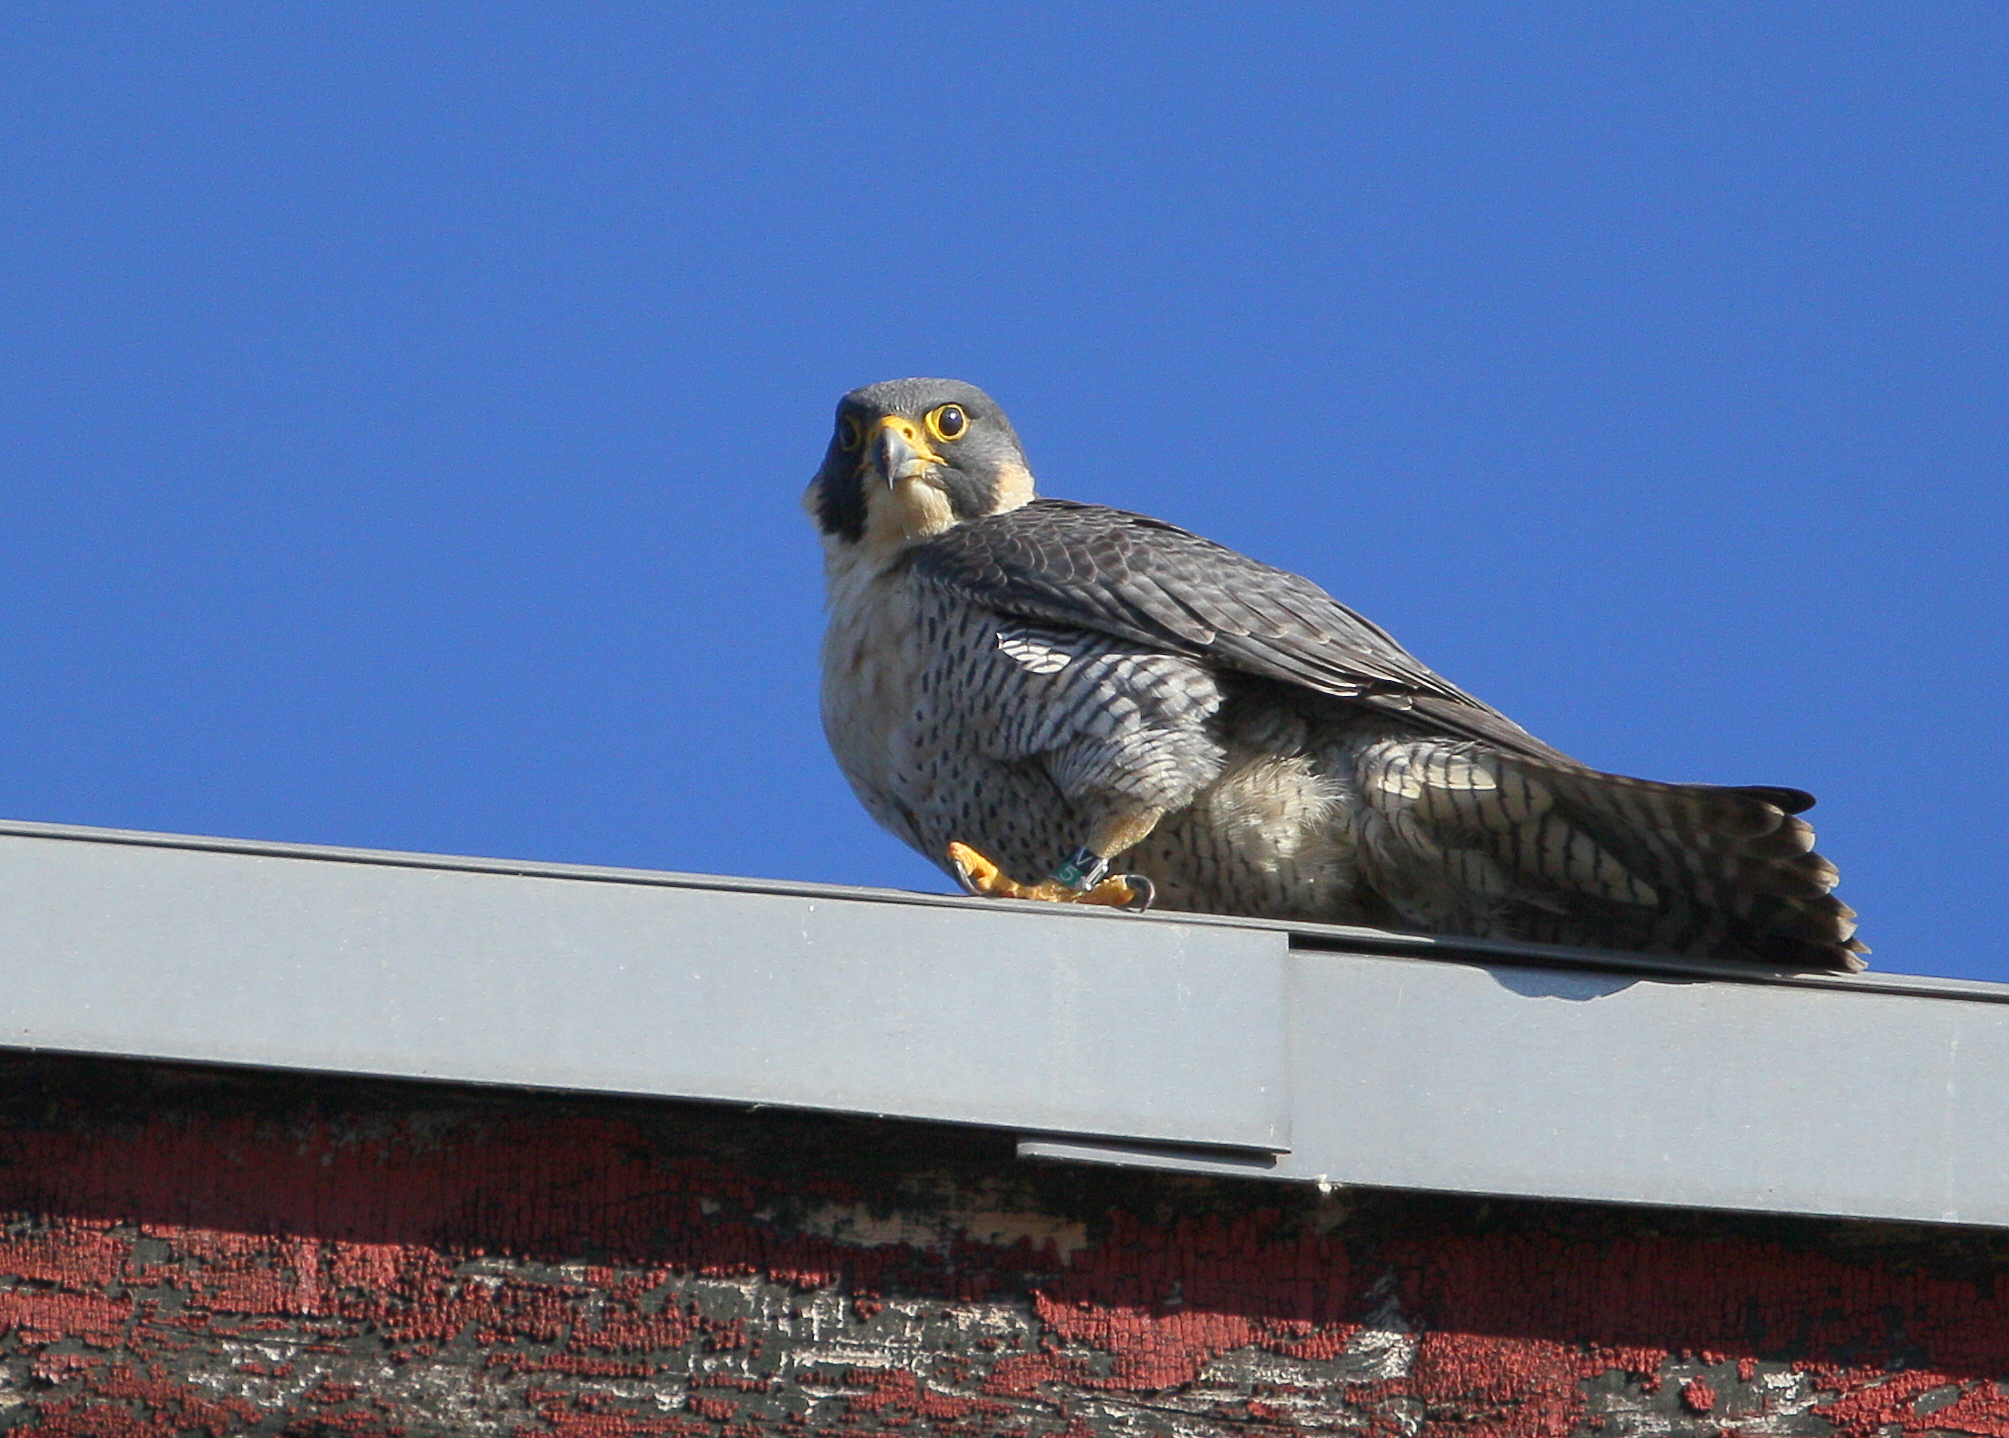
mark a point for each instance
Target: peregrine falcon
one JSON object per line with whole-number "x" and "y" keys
{"x": 1022, "y": 686}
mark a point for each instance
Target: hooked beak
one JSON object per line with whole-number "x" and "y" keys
{"x": 896, "y": 451}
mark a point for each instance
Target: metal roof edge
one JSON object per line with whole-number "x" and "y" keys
{"x": 1192, "y": 1043}
{"x": 1341, "y": 938}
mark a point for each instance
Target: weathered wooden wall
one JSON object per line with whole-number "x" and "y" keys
{"x": 190, "y": 1251}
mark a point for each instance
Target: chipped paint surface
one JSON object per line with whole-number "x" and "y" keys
{"x": 187, "y": 1252}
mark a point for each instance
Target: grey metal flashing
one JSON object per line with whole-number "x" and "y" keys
{"x": 605, "y": 983}
{"x": 1619, "y": 1087}
{"x": 1178, "y": 1042}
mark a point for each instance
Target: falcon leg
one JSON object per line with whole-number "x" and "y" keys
{"x": 1083, "y": 876}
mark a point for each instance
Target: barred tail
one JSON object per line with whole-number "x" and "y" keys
{"x": 1465, "y": 839}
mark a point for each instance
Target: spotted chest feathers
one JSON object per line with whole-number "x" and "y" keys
{"x": 920, "y": 735}
{"x": 873, "y": 659}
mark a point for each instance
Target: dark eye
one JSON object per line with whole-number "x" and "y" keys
{"x": 850, "y": 434}
{"x": 948, "y": 422}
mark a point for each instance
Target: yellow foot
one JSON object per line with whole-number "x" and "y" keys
{"x": 985, "y": 879}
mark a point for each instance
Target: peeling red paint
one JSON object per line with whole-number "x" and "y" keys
{"x": 249, "y": 1253}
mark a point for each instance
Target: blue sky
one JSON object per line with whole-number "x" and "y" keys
{"x": 404, "y": 409}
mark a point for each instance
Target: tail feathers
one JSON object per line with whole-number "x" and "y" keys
{"x": 1467, "y": 839}
{"x": 1739, "y": 866}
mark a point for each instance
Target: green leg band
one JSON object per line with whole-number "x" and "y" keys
{"x": 1082, "y": 870}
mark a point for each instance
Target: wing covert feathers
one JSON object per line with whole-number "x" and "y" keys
{"x": 1057, "y": 562}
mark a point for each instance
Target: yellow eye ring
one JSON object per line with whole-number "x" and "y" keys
{"x": 850, "y": 434}
{"x": 948, "y": 422}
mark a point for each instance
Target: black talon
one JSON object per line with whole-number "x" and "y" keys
{"x": 964, "y": 878}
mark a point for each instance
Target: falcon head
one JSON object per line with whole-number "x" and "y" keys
{"x": 911, "y": 457}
